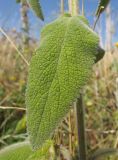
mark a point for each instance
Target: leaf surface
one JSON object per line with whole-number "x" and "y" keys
{"x": 36, "y": 7}
{"x": 21, "y": 125}
{"x": 18, "y": 151}
{"x": 47, "y": 152}
{"x": 18, "y": 1}
{"x": 59, "y": 69}
{"x": 22, "y": 151}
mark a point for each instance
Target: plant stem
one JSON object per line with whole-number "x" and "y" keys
{"x": 79, "y": 106}
{"x": 25, "y": 24}
{"x": 80, "y": 123}
{"x": 73, "y": 7}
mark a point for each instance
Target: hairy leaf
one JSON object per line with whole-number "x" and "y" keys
{"x": 18, "y": 151}
{"x": 36, "y": 7}
{"x": 100, "y": 54}
{"x": 22, "y": 151}
{"x": 21, "y": 125}
{"x": 18, "y": 1}
{"x": 45, "y": 153}
{"x": 59, "y": 69}
{"x": 102, "y": 6}
{"x": 21, "y": 1}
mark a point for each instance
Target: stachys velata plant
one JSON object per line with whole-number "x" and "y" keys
{"x": 58, "y": 71}
{"x": 60, "y": 67}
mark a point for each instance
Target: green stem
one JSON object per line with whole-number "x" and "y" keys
{"x": 73, "y": 7}
{"x": 79, "y": 106}
{"x": 80, "y": 123}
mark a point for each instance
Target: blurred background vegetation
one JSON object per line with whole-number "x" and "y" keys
{"x": 100, "y": 93}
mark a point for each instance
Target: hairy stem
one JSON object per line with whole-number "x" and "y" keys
{"x": 79, "y": 106}
{"x": 80, "y": 123}
{"x": 73, "y": 7}
{"x": 25, "y": 24}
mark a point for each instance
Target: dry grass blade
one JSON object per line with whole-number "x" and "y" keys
{"x": 14, "y": 46}
{"x": 16, "y": 108}
{"x": 103, "y": 153}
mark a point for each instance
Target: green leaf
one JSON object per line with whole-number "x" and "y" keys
{"x": 21, "y": 125}
{"x": 100, "y": 54}
{"x": 59, "y": 69}
{"x": 21, "y": 1}
{"x": 102, "y": 153}
{"x": 47, "y": 152}
{"x": 22, "y": 151}
{"x": 18, "y": 151}
{"x": 102, "y": 6}
{"x": 36, "y": 7}
{"x": 18, "y": 1}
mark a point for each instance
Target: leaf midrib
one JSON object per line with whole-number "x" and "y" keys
{"x": 67, "y": 27}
